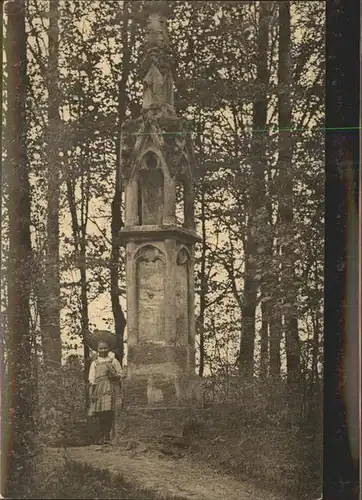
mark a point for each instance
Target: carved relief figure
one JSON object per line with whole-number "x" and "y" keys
{"x": 150, "y": 290}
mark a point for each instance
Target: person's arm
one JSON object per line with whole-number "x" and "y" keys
{"x": 119, "y": 370}
{"x": 92, "y": 381}
{"x": 92, "y": 374}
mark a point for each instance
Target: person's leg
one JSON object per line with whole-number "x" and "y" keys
{"x": 93, "y": 429}
{"x": 102, "y": 419}
{"x": 108, "y": 422}
{"x": 105, "y": 425}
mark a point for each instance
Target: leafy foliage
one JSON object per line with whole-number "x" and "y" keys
{"x": 61, "y": 417}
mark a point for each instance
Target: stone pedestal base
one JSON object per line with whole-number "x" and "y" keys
{"x": 153, "y": 423}
{"x": 158, "y": 403}
{"x": 162, "y": 389}
{"x": 161, "y": 375}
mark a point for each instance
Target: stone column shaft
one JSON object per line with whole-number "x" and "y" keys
{"x": 170, "y": 290}
{"x": 131, "y": 202}
{"x": 131, "y": 293}
{"x": 191, "y": 300}
{"x": 189, "y": 206}
{"x": 169, "y": 208}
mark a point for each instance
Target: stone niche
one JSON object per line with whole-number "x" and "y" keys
{"x": 182, "y": 296}
{"x": 150, "y": 271}
{"x": 150, "y": 191}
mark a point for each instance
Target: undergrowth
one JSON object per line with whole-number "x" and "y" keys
{"x": 255, "y": 436}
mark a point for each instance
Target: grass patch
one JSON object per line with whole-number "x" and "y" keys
{"x": 73, "y": 480}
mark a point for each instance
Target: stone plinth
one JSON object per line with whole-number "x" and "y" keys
{"x": 149, "y": 422}
{"x": 158, "y": 400}
{"x": 154, "y": 387}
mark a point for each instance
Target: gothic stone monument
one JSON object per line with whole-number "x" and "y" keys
{"x": 157, "y": 160}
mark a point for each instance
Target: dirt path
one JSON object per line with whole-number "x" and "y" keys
{"x": 168, "y": 477}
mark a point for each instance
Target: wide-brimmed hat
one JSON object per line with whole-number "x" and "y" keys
{"x": 102, "y": 336}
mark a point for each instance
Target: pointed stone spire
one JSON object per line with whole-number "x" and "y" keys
{"x": 157, "y": 146}
{"x": 156, "y": 66}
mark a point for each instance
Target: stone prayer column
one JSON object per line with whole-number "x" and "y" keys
{"x": 157, "y": 159}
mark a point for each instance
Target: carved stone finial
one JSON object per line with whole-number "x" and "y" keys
{"x": 156, "y": 67}
{"x": 160, "y": 7}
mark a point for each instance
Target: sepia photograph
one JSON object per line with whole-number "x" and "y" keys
{"x": 163, "y": 249}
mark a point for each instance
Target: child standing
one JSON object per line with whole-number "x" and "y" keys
{"x": 105, "y": 377}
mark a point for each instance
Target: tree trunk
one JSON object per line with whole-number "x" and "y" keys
{"x": 272, "y": 306}
{"x": 275, "y": 337}
{"x": 287, "y": 236}
{"x": 20, "y": 385}
{"x": 79, "y": 238}
{"x": 255, "y": 248}
{"x": 203, "y": 287}
{"x": 84, "y": 315}
{"x": 264, "y": 343}
{"x": 247, "y": 339}
{"x": 52, "y": 339}
{"x": 272, "y": 287}
{"x": 3, "y": 403}
{"x": 315, "y": 348}
{"x": 313, "y": 390}
{"x": 116, "y": 224}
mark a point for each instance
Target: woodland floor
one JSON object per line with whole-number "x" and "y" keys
{"x": 161, "y": 470}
